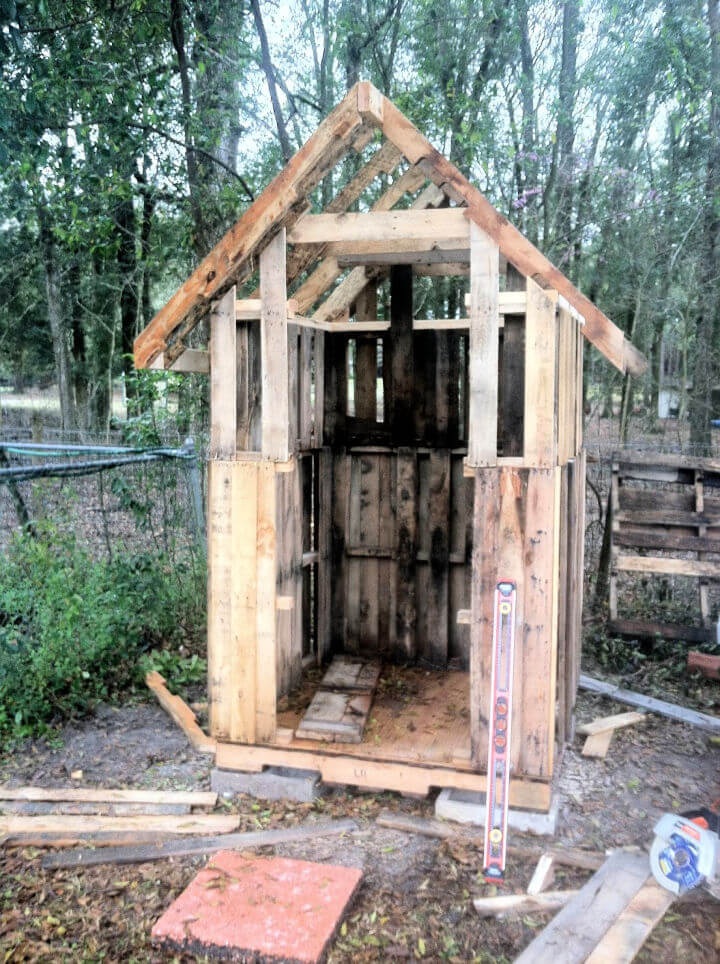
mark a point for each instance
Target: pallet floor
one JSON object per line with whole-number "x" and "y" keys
{"x": 418, "y": 716}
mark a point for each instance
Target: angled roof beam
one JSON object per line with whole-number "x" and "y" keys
{"x": 232, "y": 257}
{"x": 598, "y": 329}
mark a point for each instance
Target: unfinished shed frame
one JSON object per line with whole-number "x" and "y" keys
{"x": 373, "y": 475}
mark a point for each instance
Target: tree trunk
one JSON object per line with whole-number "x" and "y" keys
{"x": 129, "y": 301}
{"x": 269, "y": 70}
{"x": 708, "y": 325}
{"x": 58, "y": 329}
{"x": 566, "y": 131}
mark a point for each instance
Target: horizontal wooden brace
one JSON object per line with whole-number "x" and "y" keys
{"x": 380, "y": 226}
{"x": 670, "y": 567}
{"x": 433, "y": 256}
{"x": 192, "y": 360}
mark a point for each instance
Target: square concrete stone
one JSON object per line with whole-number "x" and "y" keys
{"x": 466, "y": 806}
{"x": 259, "y": 909}
{"x": 274, "y": 783}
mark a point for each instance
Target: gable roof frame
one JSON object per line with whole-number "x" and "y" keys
{"x": 351, "y": 126}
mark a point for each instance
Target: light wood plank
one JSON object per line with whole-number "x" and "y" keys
{"x": 515, "y": 904}
{"x": 627, "y": 935}
{"x": 274, "y": 351}
{"x": 223, "y": 391}
{"x": 192, "y": 798}
{"x": 180, "y": 712}
{"x": 263, "y": 665}
{"x": 610, "y": 723}
{"x": 484, "y": 321}
{"x": 379, "y": 226}
{"x": 19, "y": 829}
{"x": 540, "y": 439}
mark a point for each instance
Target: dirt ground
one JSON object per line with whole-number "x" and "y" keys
{"x": 415, "y": 898}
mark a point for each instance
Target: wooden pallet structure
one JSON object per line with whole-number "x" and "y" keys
{"x": 665, "y": 522}
{"x": 373, "y": 474}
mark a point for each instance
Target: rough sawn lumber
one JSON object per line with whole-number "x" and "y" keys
{"x": 180, "y": 712}
{"x": 192, "y": 798}
{"x": 583, "y": 921}
{"x": 47, "y": 831}
{"x": 672, "y": 710}
{"x": 196, "y": 845}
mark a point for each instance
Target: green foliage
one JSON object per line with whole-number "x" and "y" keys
{"x": 177, "y": 669}
{"x": 73, "y": 628}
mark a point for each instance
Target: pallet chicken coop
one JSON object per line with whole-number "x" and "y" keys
{"x": 374, "y": 472}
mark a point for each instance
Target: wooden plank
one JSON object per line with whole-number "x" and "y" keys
{"x": 39, "y": 808}
{"x": 400, "y": 355}
{"x": 408, "y": 823}
{"x": 543, "y": 874}
{"x": 335, "y": 716}
{"x": 438, "y": 599}
{"x": 406, "y": 533}
{"x": 672, "y": 567}
{"x": 362, "y": 771}
{"x": 19, "y": 829}
{"x": 262, "y": 663}
{"x": 323, "y": 521}
{"x": 276, "y": 443}
{"x": 598, "y": 329}
{"x": 671, "y": 540}
{"x": 199, "y": 846}
{"x": 672, "y": 710}
{"x": 540, "y": 429}
{"x": 180, "y": 712}
{"x": 379, "y": 226}
{"x": 483, "y": 384}
{"x": 598, "y": 744}
{"x": 338, "y": 563}
{"x": 649, "y": 630}
{"x": 485, "y": 547}
{"x": 577, "y": 928}
{"x": 514, "y": 904}
{"x": 231, "y": 258}
{"x": 191, "y": 798}
{"x": 622, "y": 941}
{"x": 232, "y": 518}
{"x": 610, "y": 723}
{"x": 223, "y": 392}
{"x": 366, "y": 365}
{"x": 669, "y": 517}
{"x": 193, "y": 360}
{"x": 405, "y": 251}
{"x": 352, "y": 674}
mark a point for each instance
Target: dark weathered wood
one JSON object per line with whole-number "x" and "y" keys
{"x": 644, "y": 629}
{"x": 645, "y": 537}
{"x": 41, "y": 808}
{"x": 338, "y": 565}
{"x": 196, "y": 846}
{"x": 336, "y": 389}
{"x": 405, "y": 590}
{"x": 366, "y": 358}
{"x": 512, "y": 383}
{"x": 671, "y": 710}
{"x": 401, "y": 355}
{"x": 577, "y": 928}
{"x": 323, "y": 521}
{"x": 438, "y": 595}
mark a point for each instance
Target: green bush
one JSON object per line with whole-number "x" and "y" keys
{"x": 73, "y": 628}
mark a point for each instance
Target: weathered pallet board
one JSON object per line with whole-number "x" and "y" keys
{"x": 576, "y": 930}
{"x": 672, "y": 710}
{"x": 340, "y": 708}
{"x": 194, "y": 846}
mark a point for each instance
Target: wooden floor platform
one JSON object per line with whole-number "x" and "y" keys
{"x": 417, "y": 737}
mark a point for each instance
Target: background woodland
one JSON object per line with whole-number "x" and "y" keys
{"x": 133, "y": 134}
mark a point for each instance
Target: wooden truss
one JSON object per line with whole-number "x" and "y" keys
{"x": 446, "y": 228}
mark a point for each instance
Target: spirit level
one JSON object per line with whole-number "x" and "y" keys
{"x": 498, "y": 785}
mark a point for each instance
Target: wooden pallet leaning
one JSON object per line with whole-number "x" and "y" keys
{"x": 656, "y": 526}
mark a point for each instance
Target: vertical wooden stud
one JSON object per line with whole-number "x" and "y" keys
{"x": 438, "y": 596}
{"x": 405, "y": 591}
{"x": 401, "y": 360}
{"x": 266, "y": 540}
{"x": 540, "y": 438}
{"x": 366, "y": 358}
{"x": 223, "y": 393}
{"x": 483, "y": 367}
{"x": 274, "y": 350}
{"x": 323, "y": 521}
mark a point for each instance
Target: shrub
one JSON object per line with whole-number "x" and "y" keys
{"x": 73, "y": 628}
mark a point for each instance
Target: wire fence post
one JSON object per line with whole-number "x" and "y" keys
{"x": 195, "y": 489}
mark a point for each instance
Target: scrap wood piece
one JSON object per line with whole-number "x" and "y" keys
{"x": 340, "y": 708}
{"x": 671, "y": 710}
{"x": 194, "y": 846}
{"x": 42, "y": 807}
{"x": 180, "y": 713}
{"x": 192, "y": 798}
{"x": 598, "y": 744}
{"x": 543, "y": 874}
{"x": 582, "y": 922}
{"x": 420, "y": 825}
{"x": 611, "y": 723}
{"x": 57, "y": 827}
{"x": 627, "y": 935}
{"x": 707, "y": 664}
{"x": 600, "y": 732}
{"x": 510, "y": 904}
